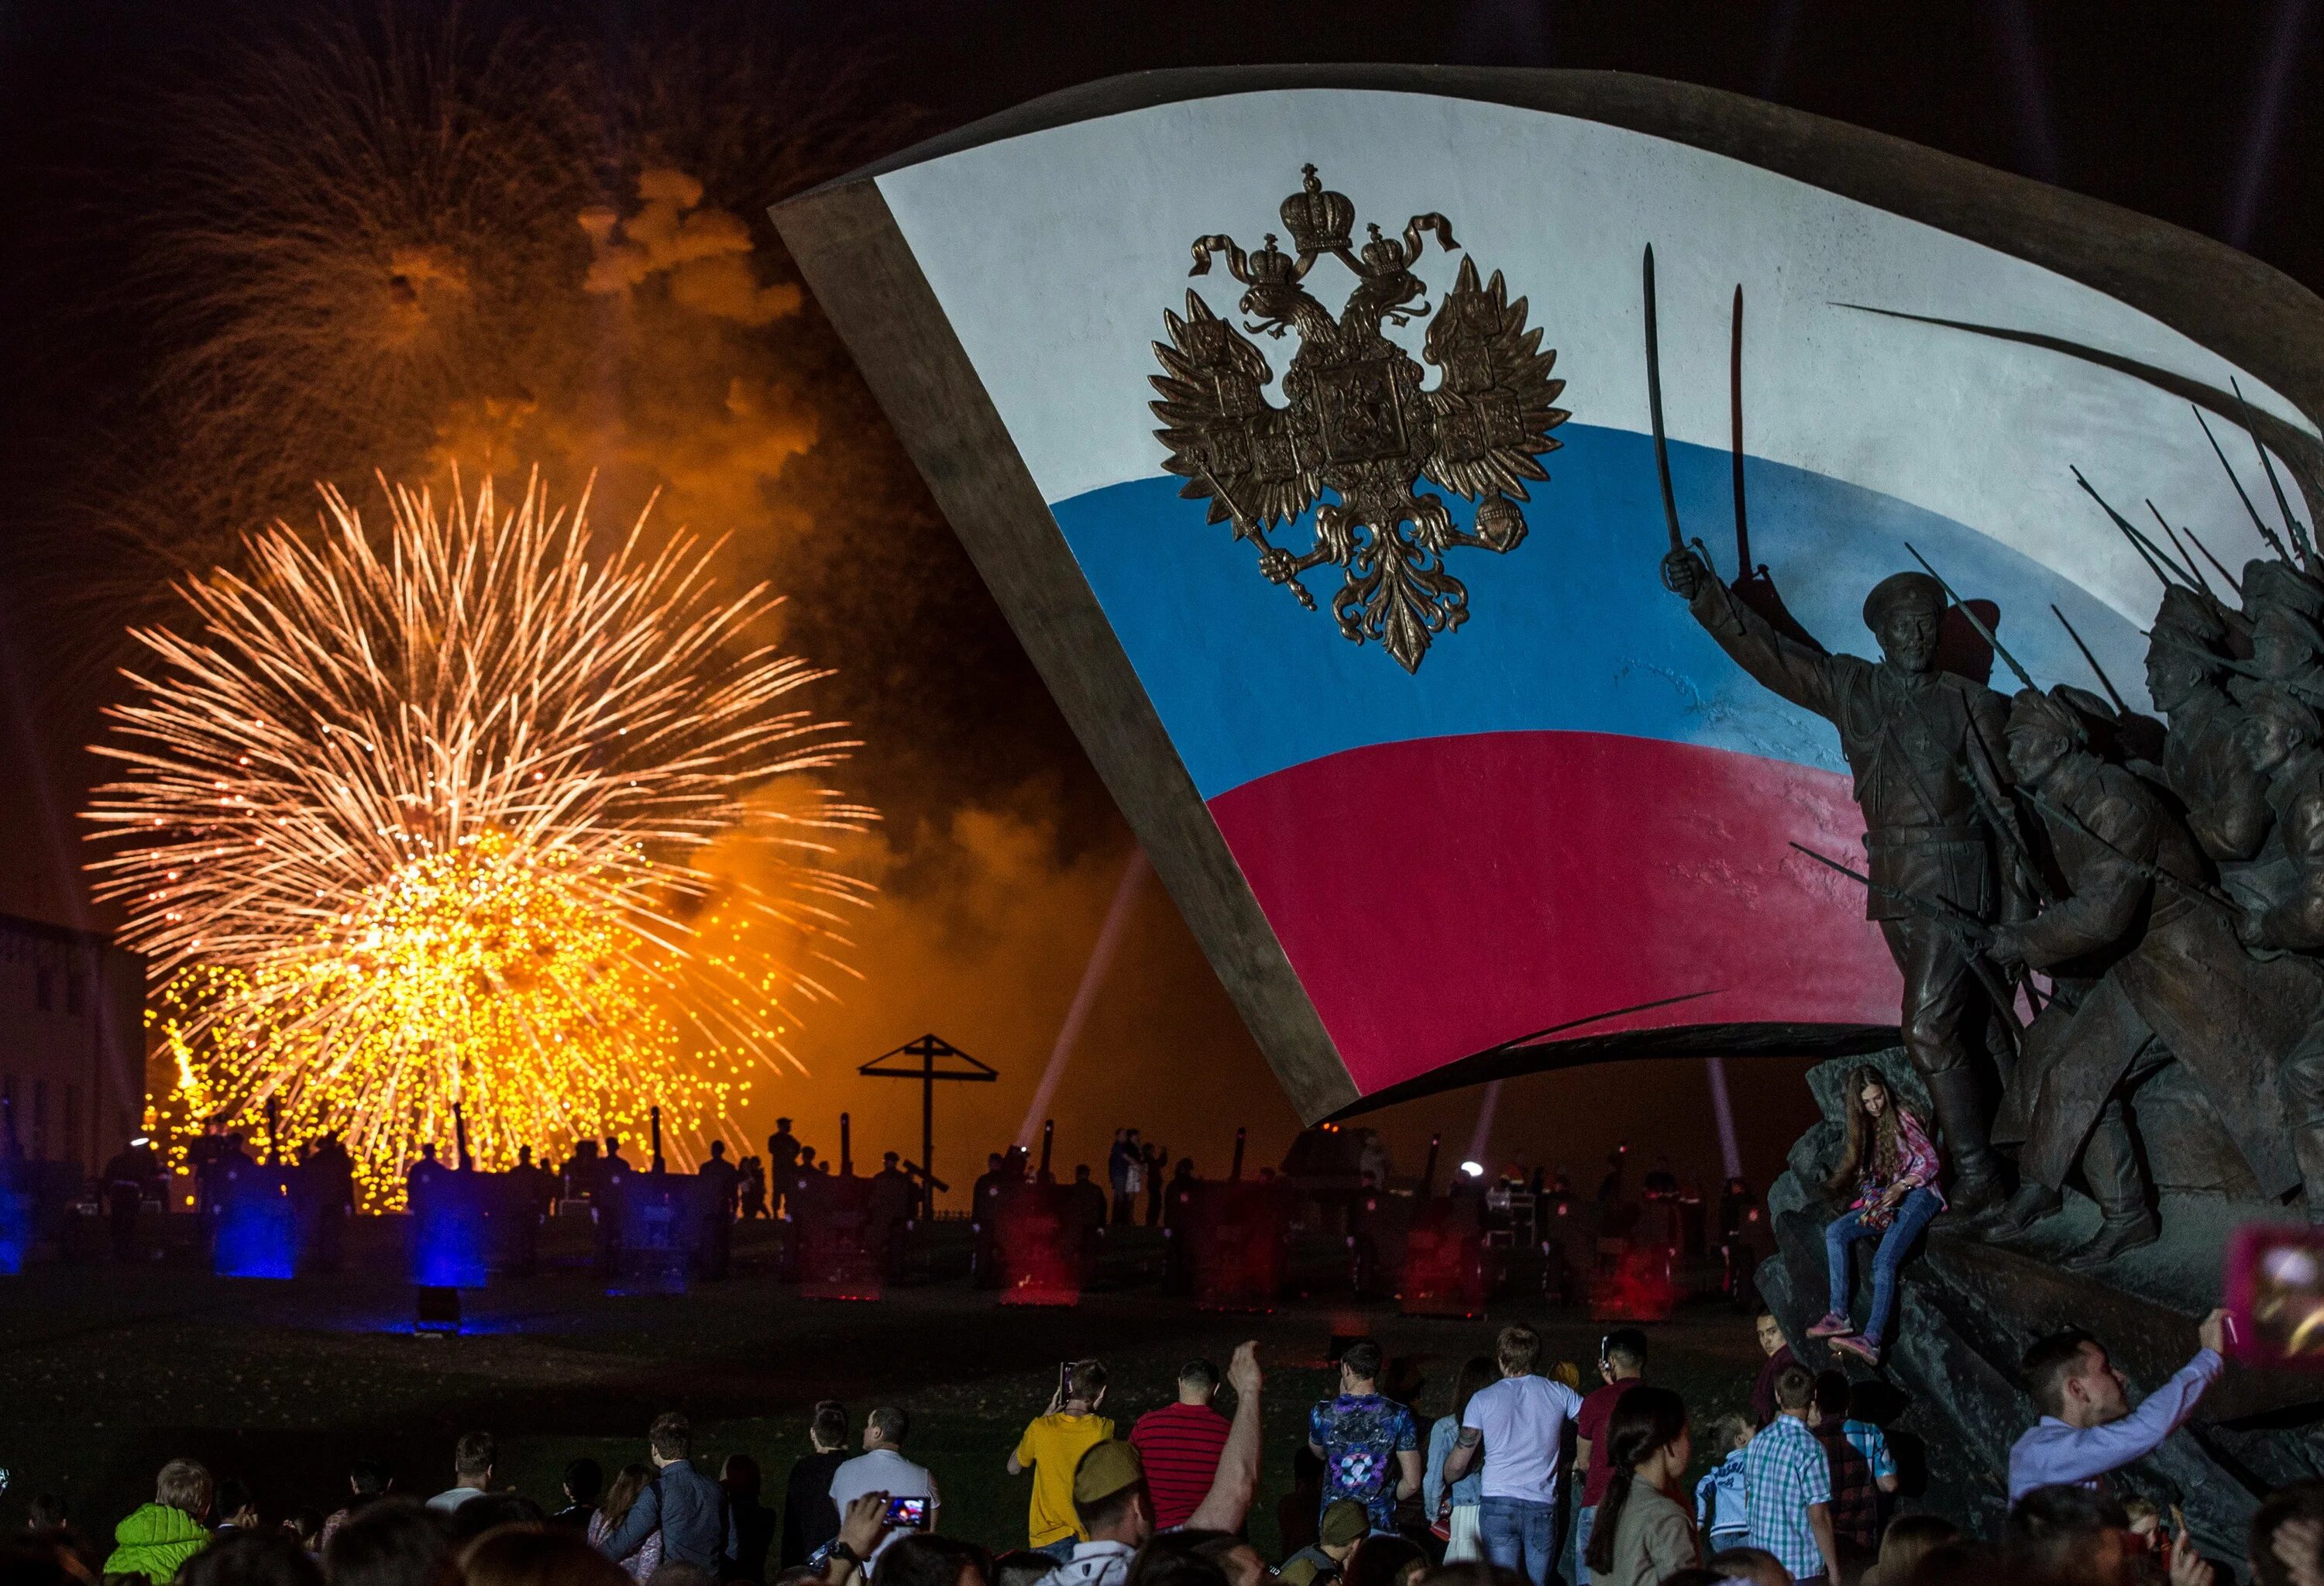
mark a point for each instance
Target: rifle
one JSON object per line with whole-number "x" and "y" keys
{"x": 1972, "y": 933}
{"x": 2153, "y": 873}
{"x": 2105, "y": 682}
{"x": 2291, "y": 524}
{"x": 1983, "y": 631}
{"x": 2156, "y": 562}
{"x": 2308, "y": 693}
{"x": 2267, "y": 533}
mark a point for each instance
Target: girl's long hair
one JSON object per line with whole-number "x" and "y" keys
{"x": 1644, "y": 1419}
{"x": 628, "y": 1483}
{"x": 1872, "y": 1143}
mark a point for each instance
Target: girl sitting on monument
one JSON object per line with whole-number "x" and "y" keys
{"x": 1891, "y": 1166}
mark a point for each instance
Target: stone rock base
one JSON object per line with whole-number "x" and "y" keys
{"x": 1968, "y": 1309}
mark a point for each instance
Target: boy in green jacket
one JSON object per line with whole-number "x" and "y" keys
{"x": 160, "y": 1536}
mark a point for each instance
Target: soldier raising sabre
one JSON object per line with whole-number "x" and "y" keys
{"x": 1927, "y": 750}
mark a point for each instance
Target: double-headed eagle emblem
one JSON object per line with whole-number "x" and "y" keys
{"x": 1359, "y": 424}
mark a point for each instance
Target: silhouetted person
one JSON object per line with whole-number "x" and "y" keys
{"x": 810, "y": 1518}
{"x": 134, "y": 1173}
{"x": 418, "y": 1179}
{"x": 581, "y": 1171}
{"x": 782, "y": 1160}
{"x": 755, "y": 1522}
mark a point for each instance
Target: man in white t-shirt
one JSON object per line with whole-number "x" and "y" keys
{"x": 1519, "y": 1425}
{"x": 882, "y": 1467}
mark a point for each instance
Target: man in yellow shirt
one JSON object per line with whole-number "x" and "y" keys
{"x": 1052, "y": 1447}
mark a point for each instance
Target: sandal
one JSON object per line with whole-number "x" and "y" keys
{"x": 1832, "y": 1322}
{"x": 1864, "y": 1348}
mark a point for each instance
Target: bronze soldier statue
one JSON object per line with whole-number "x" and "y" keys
{"x": 2285, "y": 609}
{"x": 2287, "y": 742}
{"x": 1926, "y": 748}
{"x": 2171, "y": 985}
{"x": 2206, "y": 759}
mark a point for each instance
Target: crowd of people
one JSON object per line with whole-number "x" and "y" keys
{"x": 1526, "y": 1481}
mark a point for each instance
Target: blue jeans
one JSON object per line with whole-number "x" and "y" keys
{"x": 1520, "y": 1534}
{"x": 1912, "y": 1216}
{"x": 1062, "y": 1550}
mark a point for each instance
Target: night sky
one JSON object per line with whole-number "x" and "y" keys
{"x": 150, "y": 150}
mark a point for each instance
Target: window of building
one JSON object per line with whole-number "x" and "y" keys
{"x": 44, "y": 988}
{"x": 40, "y": 1120}
{"x": 72, "y": 1120}
{"x": 72, "y": 993}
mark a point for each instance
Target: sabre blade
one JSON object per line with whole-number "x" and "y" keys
{"x": 1735, "y": 410}
{"x": 1655, "y": 407}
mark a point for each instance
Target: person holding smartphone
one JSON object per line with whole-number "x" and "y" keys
{"x": 882, "y": 1468}
{"x": 1052, "y": 1449}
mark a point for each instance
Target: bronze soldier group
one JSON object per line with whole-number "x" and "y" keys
{"x": 2165, "y": 880}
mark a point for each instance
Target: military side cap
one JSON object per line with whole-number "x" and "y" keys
{"x": 1105, "y": 1470}
{"x": 2192, "y": 615}
{"x": 1902, "y": 589}
{"x": 1344, "y": 1521}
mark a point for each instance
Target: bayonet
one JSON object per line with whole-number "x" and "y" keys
{"x": 2155, "y": 560}
{"x": 2265, "y": 532}
{"x": 2105, "y": 682}
{"x": 1954, "y": 917}
{"x": 1655, "y": 407}
{"x": 2173, "y": 536}
{"x": 2234, "y": 582}
{"x": 1983, "y": 631}
{"x": 2293, "y": 525}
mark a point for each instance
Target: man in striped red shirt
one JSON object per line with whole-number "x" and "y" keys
{"x": 1179, "y": 1445}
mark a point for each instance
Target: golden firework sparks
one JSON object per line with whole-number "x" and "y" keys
{"x": 425, "y": 824}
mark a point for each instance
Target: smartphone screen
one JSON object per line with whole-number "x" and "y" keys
{"x": 2276, "y": 1295}
{"x": 1065, "y": 1380}
{"x": 905, "y": 1512}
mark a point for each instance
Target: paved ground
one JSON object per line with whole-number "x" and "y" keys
{"x": 106, "y": 1371}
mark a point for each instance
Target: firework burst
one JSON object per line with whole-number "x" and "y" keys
{"x": 430, "y": 823}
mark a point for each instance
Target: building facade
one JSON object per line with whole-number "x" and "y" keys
{"x": 72, "y": 1042}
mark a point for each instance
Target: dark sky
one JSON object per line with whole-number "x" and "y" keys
{"x": 2203, "y": 115}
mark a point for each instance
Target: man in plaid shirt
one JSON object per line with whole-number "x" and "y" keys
{"x": 1787, "y": 1485}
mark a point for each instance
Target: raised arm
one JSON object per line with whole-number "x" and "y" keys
{"x": 1778, "y": 661}
{"x": 1228, "y": 1503}
{"x": 2093, "y": 1451}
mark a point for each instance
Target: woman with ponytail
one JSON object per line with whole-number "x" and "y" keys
{"x": 1890, "y": 1167}
{"x": 1643, "y": 1532}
